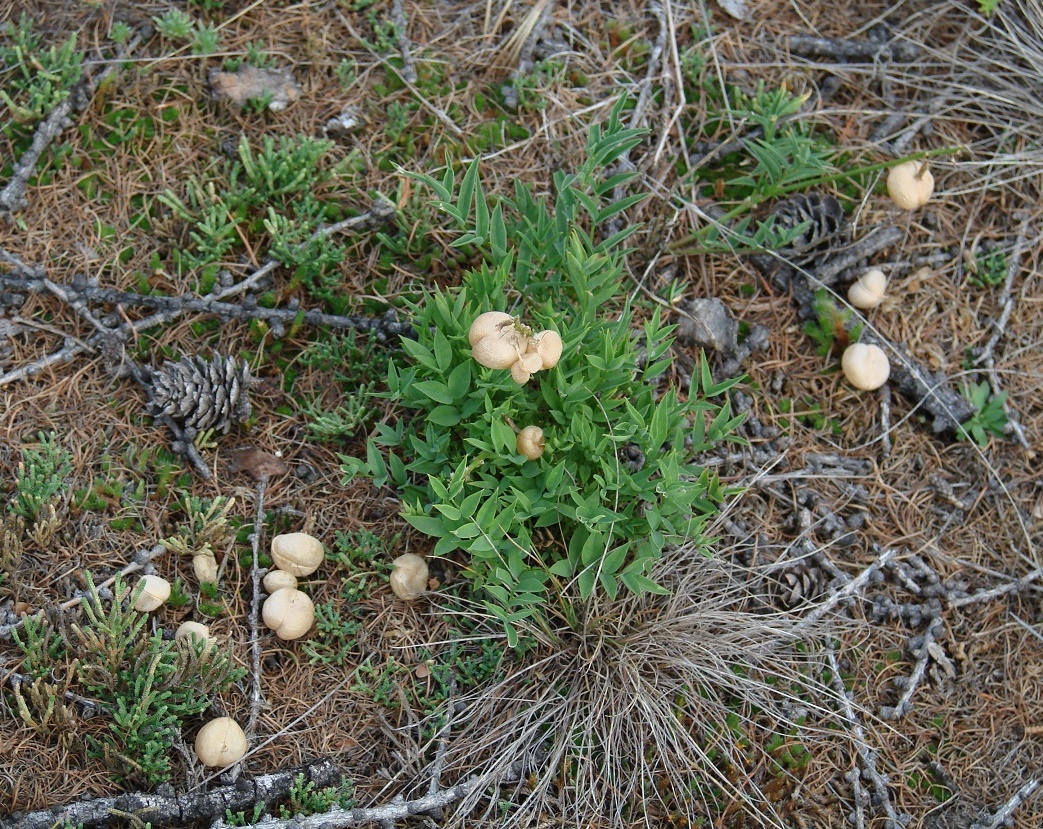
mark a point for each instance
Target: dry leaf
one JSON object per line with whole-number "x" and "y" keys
{"x": 249, "y": 83}
{"x": 256, "y": 462}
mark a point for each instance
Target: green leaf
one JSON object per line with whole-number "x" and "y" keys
{"x": 436, "y": 390}
{"x": 427, "y": 524}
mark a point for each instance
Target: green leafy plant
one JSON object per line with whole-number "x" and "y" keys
{"x": 36, "y": 78}
{"x": 146, "y": 685}
{"x": 989, "y": 419}
{"x": 175, "y": 25}
{"x": 41, "y": 476}
{"x": 616, "y": 483}
{"x": 990, "y": 269}
{"x": 275, "y": 195}
{"x": 831, "y": 329}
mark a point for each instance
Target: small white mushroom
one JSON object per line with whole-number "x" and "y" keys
{"x": 519, "y": 375}
{"x": 193, "y": 630}
{"x": 549, "y": 346}
{"x": 205, "y": 568}
{"x": 278, "y": 579}
{"x": 865, "y": 366}
{"x": 497, "y": 350}
{"x": 488, "y": 323}
{"x": 530, "y": 442}
{"x": 910, "y": 184}
{"x": 289, "y": 612}
{"x": 409, "y": 578}
{"x": 154, "y": 592}
{"x": 297, "y": 553}
{"x": 868, "y": 290}
{"x": 220, "y": 743}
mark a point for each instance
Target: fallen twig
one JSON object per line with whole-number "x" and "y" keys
{"x": 179, "y": 809}
{"x": 12, "y": 197}
{"x": 846, "y": 592}
{"x": 852, "y": 50}
{"x": 1004, "y": 813}
{"x": 337, "y": 817}
{"x": 256, "y": 699}
{"x": 398, "y": 17}
{"x": 868, "y": 769}
{"x": 997, "y": 592}
{"x": 1006, "y": 302}
{"x": 912, "y": 682}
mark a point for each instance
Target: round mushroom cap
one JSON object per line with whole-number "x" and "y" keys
{"x": 549, "y": 347}
{"x": 220, "y": 743}
{"x": 297, "y": 553}
{"x": 193, "y": 630}
{"x": 409, "y": 578}
{"x": 486, "y": 324}
{"x": 289, "y": 612}
{"x": 205, "y": 568}
{"x": 910, "y": 184}
{"x": 497, "y": 350}
{"x": 156, "y": 590}
{"x": 865, "y": 366}
{"x": 277, "y": 579}
{"x": 530, "y": 442}
{"x": 868, "y": 290}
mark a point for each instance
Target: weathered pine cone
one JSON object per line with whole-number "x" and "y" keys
{"x": 201, "y": 394}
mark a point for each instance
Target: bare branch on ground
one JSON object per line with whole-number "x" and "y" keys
{"x": 179, "y": 809}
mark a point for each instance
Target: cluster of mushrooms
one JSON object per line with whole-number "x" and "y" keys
{"x": 499, "y": 340}
{"x": 287, "y": 611}
{"x": 866, "y": 367}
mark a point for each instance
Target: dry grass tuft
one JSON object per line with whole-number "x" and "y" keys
{"x": 650, "y": 709}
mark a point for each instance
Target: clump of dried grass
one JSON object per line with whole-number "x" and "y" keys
{"x": 649, "y": 708}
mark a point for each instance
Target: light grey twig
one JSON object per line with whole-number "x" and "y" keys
{"x": 255, "y": 609}
{"x": 1003, "y": 814}
{"x": 337, "y": 817}
{"x": 912, "y": 682}
{"x": 997, "y": 592}
{"x": 398, "y": 17}
{"x": 845, "y": 592}
{"x": 865, "y": 754}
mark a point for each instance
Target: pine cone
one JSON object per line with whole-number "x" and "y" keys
{"x": 797, "y": 584}
{"x": 827, "y": 228}
{"x": 201, "y": 394}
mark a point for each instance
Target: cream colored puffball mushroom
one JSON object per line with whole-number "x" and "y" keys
{"x": 530, "y": 442}
{"x": 497, "y": 350}
{"x": 865, "y": 366}
{"x": 205, "y": 568}
{"x": 297, "y": 553}
{"x": 220, "y": 743}
{"x": 193, "y": 630}
{"x": 409, "y": 578}
{"x": 278, "y": 579}
{"x": 156, "y": 590}
{"x": 488, "y": 323}
{"x": 289, "y": 612}
{"x": 548, "y": 346}
{"x": 910, "y": 184}
{"x": 868, "y": 290}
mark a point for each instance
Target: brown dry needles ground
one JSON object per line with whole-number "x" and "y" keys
{"x": 863, "y": 542}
